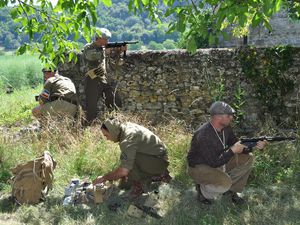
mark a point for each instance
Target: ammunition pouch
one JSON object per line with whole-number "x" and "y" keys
{"x": 97, "y": 72}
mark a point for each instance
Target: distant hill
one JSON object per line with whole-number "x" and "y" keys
{"x": 122, "y": 24}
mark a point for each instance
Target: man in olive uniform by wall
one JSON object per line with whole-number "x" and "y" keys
{"x": 58, "y": 96}
{"x": 93, "y": 66}
{"x": 143, "y": 155}
{"x": 215, "y": 159}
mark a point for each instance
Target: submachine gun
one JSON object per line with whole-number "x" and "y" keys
{"x": 251, "y": 142}
{"x": 120, "y": 44}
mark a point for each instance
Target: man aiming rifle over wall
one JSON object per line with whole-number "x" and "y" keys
{"x": 93, "y": 64}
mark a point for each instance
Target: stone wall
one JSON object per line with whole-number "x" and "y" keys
{"x": 285, "y": 32}
{"x": 176, "y": 84}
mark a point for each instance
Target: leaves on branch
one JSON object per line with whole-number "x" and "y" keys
{"x": 54, "y": 29}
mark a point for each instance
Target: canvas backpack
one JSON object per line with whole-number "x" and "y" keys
{"x": 32, "y": 180}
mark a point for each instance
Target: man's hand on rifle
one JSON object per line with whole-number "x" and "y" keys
{"x": 117, "y": 50}
{"x": 261, "y": 144}
{"x": 237, "y": 147}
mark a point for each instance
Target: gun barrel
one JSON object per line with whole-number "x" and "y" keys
{"x": 119, "y": 44}
{"x": 280, "y": 138}
{"x": 265, "y": 138}
{"x": 246, "y": 140}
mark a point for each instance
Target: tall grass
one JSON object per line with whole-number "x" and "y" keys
{"x": 16, "y": 107}
{"x": 272, "y": 193}
{"x": 19, "y": 71}
{"x": 86, "y": 153}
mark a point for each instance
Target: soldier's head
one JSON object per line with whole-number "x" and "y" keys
{"x": 48, "y": 72}
{"x": 111, "y": 129}
{"x": 221, "y": 113}
{"x": 103, "y": 39}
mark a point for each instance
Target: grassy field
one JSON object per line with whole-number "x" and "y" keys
{"x": 272, "y": 193}
{"x": 19, "y": 71}
{"x": 15, "y": 108}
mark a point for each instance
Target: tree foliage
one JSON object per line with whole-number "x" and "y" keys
{"x": 48, "y": 27}
{"x": 55, "y": 29}
{"x": 210, "y": 19}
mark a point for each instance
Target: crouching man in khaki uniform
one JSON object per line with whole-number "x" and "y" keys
{"x": 58, "y": 97}
{"x": 143, "y": 155}
{"x": 215, "y": 159}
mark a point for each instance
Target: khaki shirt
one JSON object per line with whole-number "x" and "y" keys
{"x": 137, "y": 139}
{"x": 58, "y": 86}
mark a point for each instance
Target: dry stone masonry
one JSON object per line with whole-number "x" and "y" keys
{"x": 177, "y": 84}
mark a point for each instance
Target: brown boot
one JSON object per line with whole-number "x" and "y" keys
{"x": 164, "y": 177}
{"x": 200, "y": 196}
{"x": 124, "y": 184}
{"x": 136, "y": 189}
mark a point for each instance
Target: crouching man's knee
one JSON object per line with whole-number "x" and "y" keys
{"x": 36, "y": 112}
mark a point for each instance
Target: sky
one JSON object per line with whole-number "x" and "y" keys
{"x": 53, "y": 2}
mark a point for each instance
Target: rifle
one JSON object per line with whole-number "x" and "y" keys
{"x": 149, "y": 210}
{"x": 120, "y": 44}
{"x": 251, "y": 142}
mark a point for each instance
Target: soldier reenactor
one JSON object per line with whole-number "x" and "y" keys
{"x": 143, "y": 156}
{"x": 58, "y": 97}
{"x": 93, "y": 61}
{"x": 216, "y": 161}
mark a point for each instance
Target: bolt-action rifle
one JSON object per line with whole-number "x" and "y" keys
{"x": 120, "y": 44}
{"x": 251, "y": 142}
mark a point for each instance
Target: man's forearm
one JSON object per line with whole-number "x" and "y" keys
{"x": 116, "y": 174}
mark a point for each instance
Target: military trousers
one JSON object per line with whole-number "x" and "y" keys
{"x": 59, "y": 108}
{"x": 95, "y": 89}
{"x": 145, "y": 167}
{"x": 232, "y": 176}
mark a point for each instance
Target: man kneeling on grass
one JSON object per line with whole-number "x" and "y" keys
{"x": 215, "y": 159}
{"x": 58, "y": 97}
{"x": 143, "y": 156}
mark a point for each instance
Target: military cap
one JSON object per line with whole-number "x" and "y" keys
{"x": 114, "y": 128}
{"x": 105, "y": 33}
{"x": 48, "y": 70}
{"x": 218, "y": 108}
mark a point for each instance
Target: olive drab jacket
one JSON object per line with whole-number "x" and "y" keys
{"x": 58, "y": 87}
{"x": 134, "y": 139}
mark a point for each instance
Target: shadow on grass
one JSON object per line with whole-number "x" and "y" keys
{"x": 7, "y": 204}
{"x": 273, "y": 207}
{"x": 264, "y": 206}
{"x": 83, "y": 214}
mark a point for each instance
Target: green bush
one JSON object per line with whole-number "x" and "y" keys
{"x": 2, "y": 52}
{"x": 155, "y": 46}
{"x": 169, "y": 44}
{"x": 278, "y": 163}
{"x": 5, "y": 165}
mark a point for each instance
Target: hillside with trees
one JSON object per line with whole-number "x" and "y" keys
{"x": 117, "y": 18}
